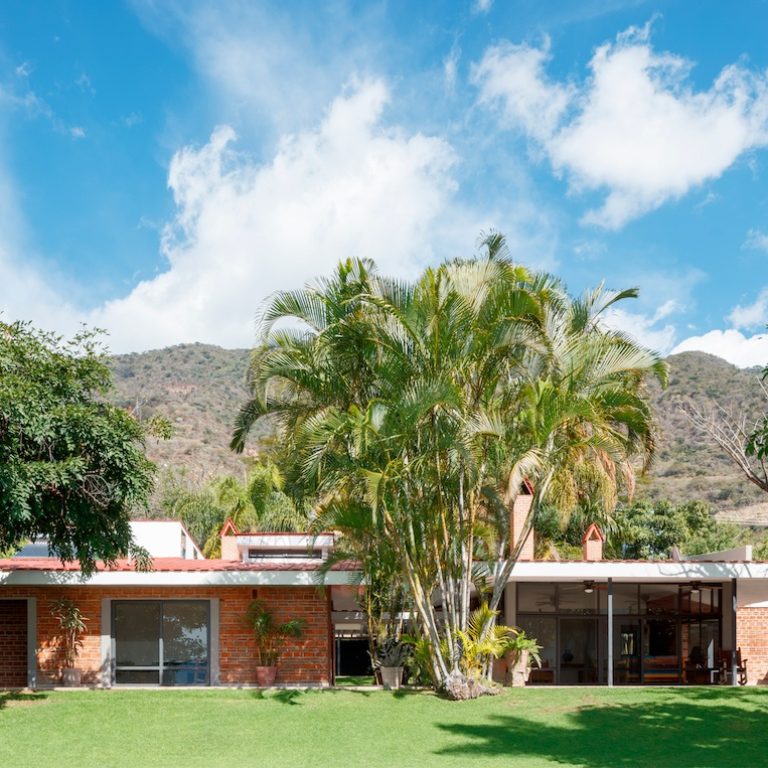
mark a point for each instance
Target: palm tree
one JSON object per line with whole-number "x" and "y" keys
{"x": 424, "y": 406}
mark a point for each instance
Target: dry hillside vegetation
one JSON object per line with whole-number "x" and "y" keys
{"x": 199, "y": 387}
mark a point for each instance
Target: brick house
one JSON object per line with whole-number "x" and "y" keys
{"x": 181, "y": 623}
{"x": 598, "y": 621}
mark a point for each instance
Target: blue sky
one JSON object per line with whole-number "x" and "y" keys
{"x": 165, "y": 166}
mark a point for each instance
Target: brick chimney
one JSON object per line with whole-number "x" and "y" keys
{"x": 517, "y": 517}
{"x": 592, "y": 543}
{"x": 229, "y": 550}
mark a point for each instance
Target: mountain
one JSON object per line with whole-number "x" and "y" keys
{"x": 200, "y": 387}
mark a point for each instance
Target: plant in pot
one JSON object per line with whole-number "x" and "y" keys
{"x": 391, "y": 655}
{"x": 72, "y": 626}
{"x": 522, "y": 652}
{"x": 270, "y": 639}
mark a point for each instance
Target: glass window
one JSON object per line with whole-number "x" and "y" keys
{"x": 536, "y": 598}
{"x": 626, "y": 652}
{"x": 578, "y": 651}
{"x": 185, "y": 643}
{"x": 544, "y": 630}
{"x": 658, "y": 599}
{"x": 136, "y": 676}
{"x": 136, "y": 628}
{"x": 572, "y": 598}
{"x": 178, "y": 627}
{"x": 624, "y": 599}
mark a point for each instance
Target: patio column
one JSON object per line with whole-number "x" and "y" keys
{"x": 610, "y": 632}
{"x": 734, "y": 670}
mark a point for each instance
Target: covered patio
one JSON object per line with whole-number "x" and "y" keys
{"x": 643, "y": 623}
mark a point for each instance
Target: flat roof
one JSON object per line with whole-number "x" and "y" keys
{"x": 175, "y": 571}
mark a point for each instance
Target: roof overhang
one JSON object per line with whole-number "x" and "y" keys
{"x": 200, "y": 578}
{"x": 665, "y": 570}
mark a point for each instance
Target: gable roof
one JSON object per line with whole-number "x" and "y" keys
{"x": 593, "y": 533}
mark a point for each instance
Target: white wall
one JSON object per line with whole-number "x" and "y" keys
{"x": 164, "y": 538}
{"x": 161, "y": 538}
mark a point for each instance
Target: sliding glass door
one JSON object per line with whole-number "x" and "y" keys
{"x": 161, "y": 642}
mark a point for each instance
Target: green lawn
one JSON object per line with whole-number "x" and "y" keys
{"x": 530, "y": 727}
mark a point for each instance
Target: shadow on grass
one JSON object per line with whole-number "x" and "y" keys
{"x": 687, "y": 729}
{"x": 19, "y": 697}
{"x": 294, "y": 696}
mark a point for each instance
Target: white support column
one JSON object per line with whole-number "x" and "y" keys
{"x": 107, "y": 666}
{"x": 213, "y": 650}
{"x": 610, "y": 632}
{"x": 32, "y": 642}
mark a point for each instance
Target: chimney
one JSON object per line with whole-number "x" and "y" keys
{"x": 592, "y": 543}
{"x": 517, "y": 517}
{"x": 229, "y": 550}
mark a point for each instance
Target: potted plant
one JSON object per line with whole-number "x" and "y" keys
{"x": 390, "y": 660}
{"x": 270, "y": 639}
{"x": 72, "y": 625}
{"x": 522, "y": 651}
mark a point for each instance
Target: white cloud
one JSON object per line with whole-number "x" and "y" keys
{"x": 514, "y": 75}
{"x": 645, "y": 328}
{"x": 243, "y": 230}
{"x": 269, "y": 66}
{"x": 752, "y": 315}
{"x": 756, "y": 240}
{"x": 732, "y": 345}
{"x": 636, "y": 128}
{"x": 76, "y": 132}
{"x": 481, "y": 6}
{"x": 451, "y": 67}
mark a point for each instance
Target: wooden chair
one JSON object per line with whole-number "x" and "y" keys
{"x": 726, "y": 663}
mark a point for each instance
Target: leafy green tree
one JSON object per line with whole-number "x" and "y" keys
{"x": 72, "y": 466}
{"x": 642, "y": 530}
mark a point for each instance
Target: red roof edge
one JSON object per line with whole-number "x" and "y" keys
{"x": 528, "y": 486}
{"x": 229, "y": 528}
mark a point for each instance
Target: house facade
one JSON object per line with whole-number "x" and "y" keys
{"x": 182, "y": 623}
{"x": 599, "y": 622}
{"x": 694, "y": 620}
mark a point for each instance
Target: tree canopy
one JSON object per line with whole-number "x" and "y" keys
{"x": 72, "y": 466}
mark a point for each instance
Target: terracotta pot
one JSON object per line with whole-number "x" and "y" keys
{"x": 391, "y": 677}
{"x": 265, "y": 676}
{"x": 70, "y": 677}
{"x": 519, "y": 669}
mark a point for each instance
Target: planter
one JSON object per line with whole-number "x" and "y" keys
{"x": 519, "y": 669}
{"x": 391, "y": 677}
{"x": 70, "y": 677}
{"x": 265, "y": 676}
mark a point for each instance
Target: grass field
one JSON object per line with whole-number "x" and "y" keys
{"x": 680, "y": 727}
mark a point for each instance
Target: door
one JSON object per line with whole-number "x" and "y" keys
{"x": 661, "y": 659}
{"x": 161, "y": 642}
{"x": 578, "y": 651}
{"x": 13, "y": 643}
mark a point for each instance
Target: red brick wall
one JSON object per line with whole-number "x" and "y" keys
{"x": 13, "y": 643}
{"x": 752, "y": 637}
{"x": 304, "y": 660}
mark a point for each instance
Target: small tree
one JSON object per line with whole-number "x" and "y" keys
{"x": 72, "y": 625}
{"x": 72, "y": 466}
{"x": 270, "y": 636}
